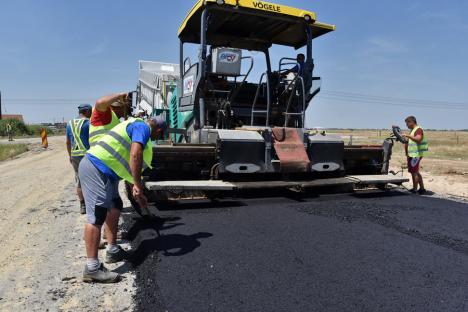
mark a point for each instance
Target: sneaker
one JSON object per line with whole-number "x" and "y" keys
{"x": 422, "y": 192}
{"x": 113, "y": 257}
{"x": 101, "y": 275}
{"x": 82, "y": 208}
{"x": 413, "y": 191}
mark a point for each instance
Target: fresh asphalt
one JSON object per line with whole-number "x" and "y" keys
{"x": 356, "y": 252}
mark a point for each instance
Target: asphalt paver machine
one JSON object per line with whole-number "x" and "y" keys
{"x": 228, "y": 133}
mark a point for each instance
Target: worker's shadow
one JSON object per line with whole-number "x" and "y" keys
{"x": 148, "y": 241}
{"x": 156, "y": 224}
{"x": 170, "y": 245}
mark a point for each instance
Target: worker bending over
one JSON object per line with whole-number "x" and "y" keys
{"x": 415, "y": 149}
{"x": 78, "y": 143}
{"x": 107, "y": 114}
{"x": 123, "y": 153}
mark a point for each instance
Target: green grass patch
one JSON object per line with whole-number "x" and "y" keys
{"x": 8, "y": 151}
{"x": 20, "y": 129}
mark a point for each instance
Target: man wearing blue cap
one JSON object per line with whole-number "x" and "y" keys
{"x": 121, "y": 154}
{"x": 78, "y": 144}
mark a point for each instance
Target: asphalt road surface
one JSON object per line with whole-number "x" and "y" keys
{"x": 367, "y": 252}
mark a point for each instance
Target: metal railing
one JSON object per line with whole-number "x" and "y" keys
{"x": 282, "y": 63}
{"x": 287, "y": 114}
{"x": 267, "y": 111}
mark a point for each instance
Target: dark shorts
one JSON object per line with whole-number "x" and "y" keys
{"x": 75, "y": 161}
{"x": 413, "y": 164}
{"x": 100, "y": 193}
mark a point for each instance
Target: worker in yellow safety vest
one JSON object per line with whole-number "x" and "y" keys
{"x": 415, "y": 149}
{"x": 9, "y": 131}
{"x": 77, "y": 144}
{"x": 107, "y": 114}
{"x": 123, "y": 153}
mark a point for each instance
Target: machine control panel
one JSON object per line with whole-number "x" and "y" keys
{"x": 227, "y": 61}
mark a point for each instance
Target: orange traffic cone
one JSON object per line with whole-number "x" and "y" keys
{"x": 45, "y": 143}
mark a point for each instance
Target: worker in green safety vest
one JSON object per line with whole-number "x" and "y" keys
{"x": 123, "y": 153}
{"x": 415, "y": 149}
{"x": 77, "y": 144}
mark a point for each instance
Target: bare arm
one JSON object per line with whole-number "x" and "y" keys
{"x": 105, "y": 102}
{"x": 136, "y": 165}
{"x": 69, "y": 147}
{"x": 417, "y": 138}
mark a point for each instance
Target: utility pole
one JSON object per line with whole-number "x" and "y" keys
{"x": 0, "y": 105}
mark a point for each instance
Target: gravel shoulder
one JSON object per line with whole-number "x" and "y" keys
{"x": 42, "y": 251}
{"x": 446, "y": 178}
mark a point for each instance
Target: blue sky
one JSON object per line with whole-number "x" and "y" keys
{"x": 387, "y": 59}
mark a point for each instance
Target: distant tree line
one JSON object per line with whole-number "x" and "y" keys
{"x": 19, "y": 128}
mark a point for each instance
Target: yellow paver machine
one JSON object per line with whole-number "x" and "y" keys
{"x": 229, "y": 133}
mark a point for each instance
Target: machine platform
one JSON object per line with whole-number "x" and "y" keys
{"x": 218, "y": 185}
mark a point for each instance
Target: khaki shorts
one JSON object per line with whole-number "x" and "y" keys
{"x": 75, "y": 161}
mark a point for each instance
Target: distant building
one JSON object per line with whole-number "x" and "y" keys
{"x": 60, "y": 125}
{"x": 16, "y": 117}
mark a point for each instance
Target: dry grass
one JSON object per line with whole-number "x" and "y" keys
{"x": 8, "y": 151}
{"x": 448, "y": 150}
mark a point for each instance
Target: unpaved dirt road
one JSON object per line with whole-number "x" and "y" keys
{"x": 41, "y": 247}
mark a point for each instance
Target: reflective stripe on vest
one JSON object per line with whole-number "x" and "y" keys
{"x": 115, "y": 154}
{"x": 78, "y": 148}
{"x": 97, "y": 132}
{"x": 417, "y": 149}
{"x": 113, "y": 149}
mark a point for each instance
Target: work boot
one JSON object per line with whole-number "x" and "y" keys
{"x": 113, "y": 257}
{"x": 422, "y": 192}
{"x": 82, "y": 208}
{"x": 101, "y": 275}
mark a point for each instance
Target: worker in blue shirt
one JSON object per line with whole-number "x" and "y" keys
{"x": 123, "y": 153}
{"x": 299, "y": 68}
{"x": 77, "y": 145}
